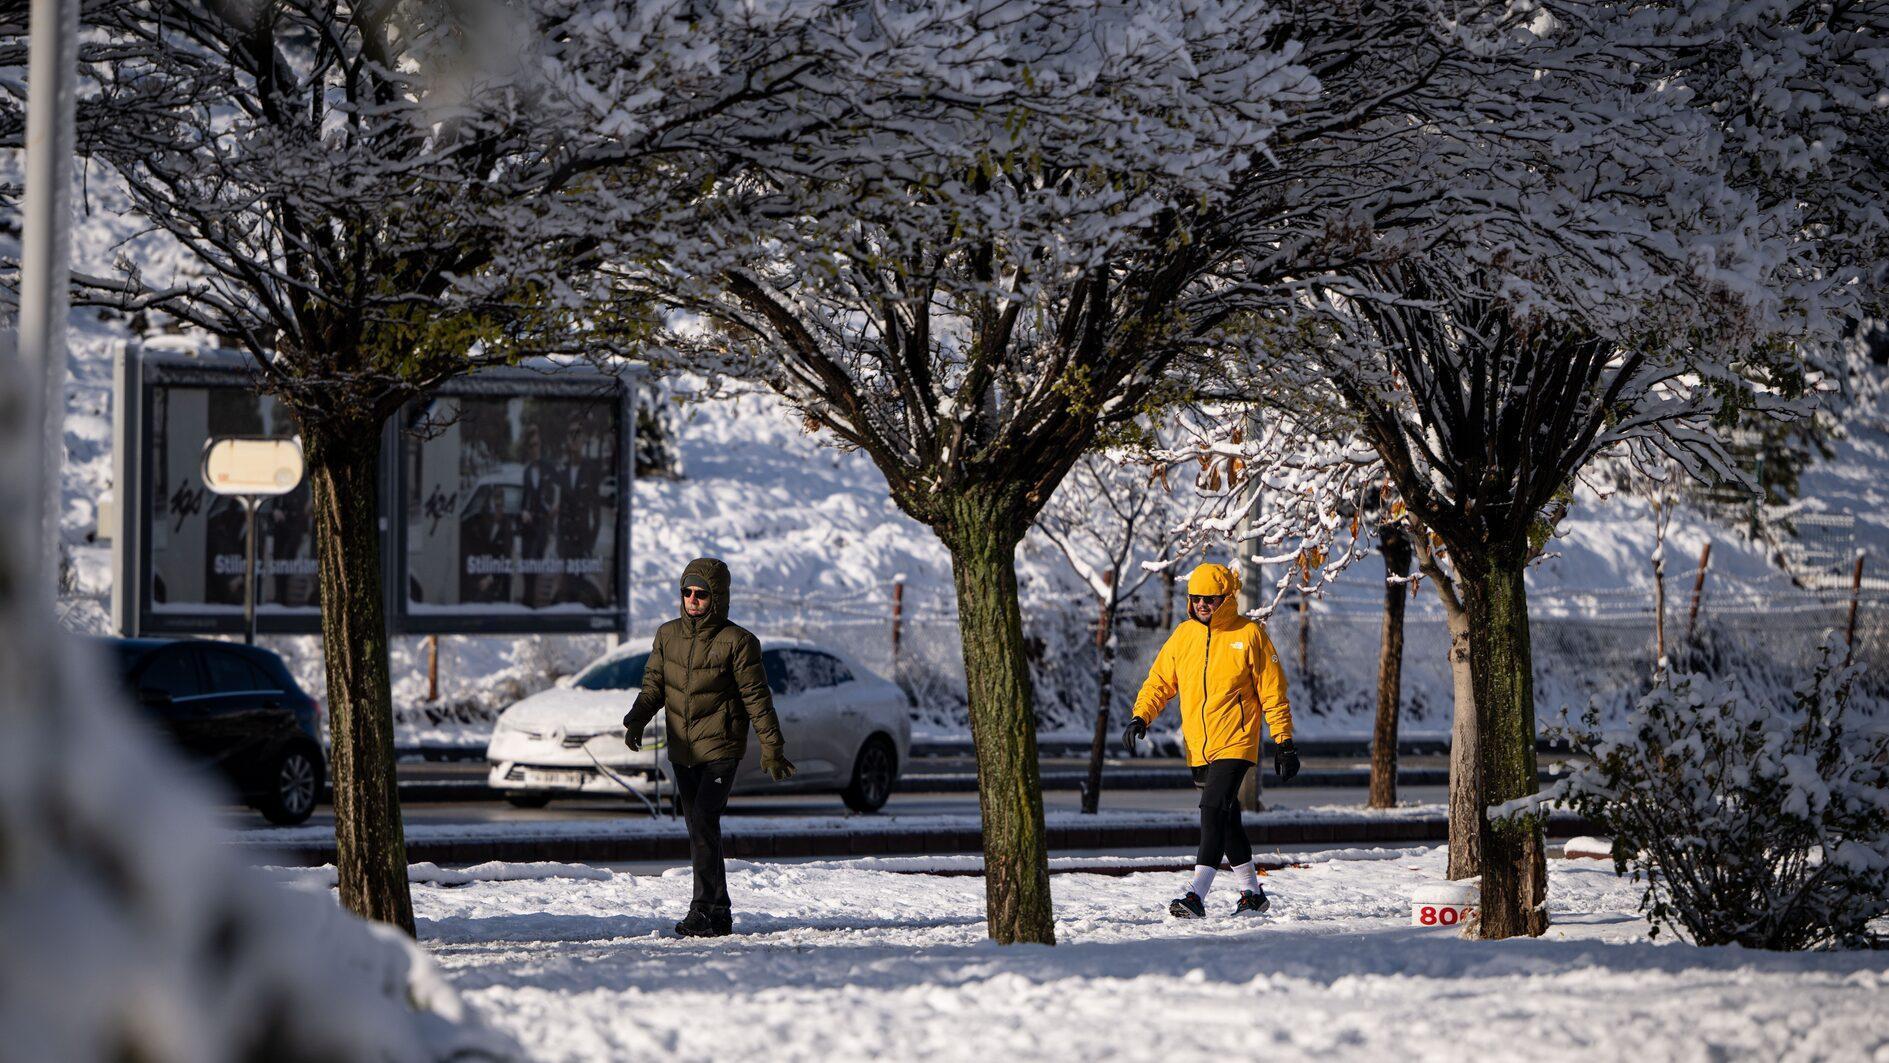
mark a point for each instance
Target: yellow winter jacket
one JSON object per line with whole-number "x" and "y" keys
{"x": 1225, "y": 671}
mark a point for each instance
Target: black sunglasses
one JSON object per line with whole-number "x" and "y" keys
{"x": 1205, "y": 597}
{"x": 692, "y": 593}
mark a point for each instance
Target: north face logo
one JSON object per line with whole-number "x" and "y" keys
{"x": 1239, "y": 645}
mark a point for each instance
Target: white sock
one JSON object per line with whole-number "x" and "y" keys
{"x": 1203, "y": 881}
{"x": 1247, "y": 875}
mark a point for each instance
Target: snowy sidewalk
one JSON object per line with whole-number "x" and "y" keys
{"x": 837, "y": 962}
{"x": 642, "y": 838}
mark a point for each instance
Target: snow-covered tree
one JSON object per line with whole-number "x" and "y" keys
{"x": 996, "y": 240}
{"x": 132, "y": 931}
{"x": 1394, "y": 546}
{"x": 382, "y": 196}
{"x": 1596, "y": 241}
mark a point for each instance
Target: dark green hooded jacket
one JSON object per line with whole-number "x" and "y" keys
{"x": 707, "y": 673}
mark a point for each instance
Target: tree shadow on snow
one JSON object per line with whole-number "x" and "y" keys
{"x": 823, "y": 954}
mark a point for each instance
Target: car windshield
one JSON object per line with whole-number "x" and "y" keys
{"x": 617, "y": 673}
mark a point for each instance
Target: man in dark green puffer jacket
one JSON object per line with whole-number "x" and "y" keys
{"x": 707, "y": 674}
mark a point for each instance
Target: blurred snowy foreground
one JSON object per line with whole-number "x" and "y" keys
{"x": 845, "y": 960}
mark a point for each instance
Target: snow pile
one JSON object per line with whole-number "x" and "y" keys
{"x": 844, "y": 963}
{"x": 131, "y": 933}
{"x": 1587, "y": 847}
{"x": 1759, "y": 818}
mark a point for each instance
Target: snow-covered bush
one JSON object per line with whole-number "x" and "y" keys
{"x": 1757, "y": 817}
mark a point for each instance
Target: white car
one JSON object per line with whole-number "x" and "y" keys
{"x": 847, "y": 732}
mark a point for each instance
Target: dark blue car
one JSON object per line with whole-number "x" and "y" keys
{"x": 234, "y": 709}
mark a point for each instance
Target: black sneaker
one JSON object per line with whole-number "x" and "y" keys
{"x": 723, "y": 921}
{"x": 1252, "y": 902}
{"x": 697, "y": 925}
{"x": 1188, "y": 907}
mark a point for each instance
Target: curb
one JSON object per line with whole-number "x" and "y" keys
{"x": 958, "y": 782}
{"x": 1307, "y": 747}
{"x": 932, "y": 747}
{"x": 915, "y": 842}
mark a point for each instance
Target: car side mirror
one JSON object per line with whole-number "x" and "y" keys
{"x": 154, "y": 698}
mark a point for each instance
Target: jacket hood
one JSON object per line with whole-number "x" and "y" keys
{"x": 712, "y": 573}
{"x": 1215, "y": 579}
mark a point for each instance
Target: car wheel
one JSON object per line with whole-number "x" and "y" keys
{"x": 875, "y": 770}
{"x": 526, "y": 799}
{"x": 294, "y": 787}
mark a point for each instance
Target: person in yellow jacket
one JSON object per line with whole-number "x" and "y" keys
{"x": 1227, "y": 675}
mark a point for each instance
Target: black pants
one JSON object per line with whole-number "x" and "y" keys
{"x": 703, "y": 789}
{"x": 1221, "y": 831}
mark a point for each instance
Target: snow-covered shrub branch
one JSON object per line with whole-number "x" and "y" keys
{"x": 1757, "y": 817}
{"x": 1291, "y": 496}
{"x": 1115, "y": 523}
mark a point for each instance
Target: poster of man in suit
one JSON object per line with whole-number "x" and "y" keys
{"x": 511, "y": 505}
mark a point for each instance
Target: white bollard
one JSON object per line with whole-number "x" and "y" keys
{"x": 1444, "y": 903}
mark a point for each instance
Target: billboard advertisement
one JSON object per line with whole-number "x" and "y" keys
{"x": 511, "y": 506}
{"x": 192, "y": 578}
{"x": 499, "y": 497}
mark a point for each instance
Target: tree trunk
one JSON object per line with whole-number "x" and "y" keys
{"x": 1466, "y": 799}
{"x": 1395, "y": 546}
{"x": 1003, "y": 723}
{"x": 370, "y": 843}
{"x": 1466, "y": 803}
{"x": 1514, "y": 857}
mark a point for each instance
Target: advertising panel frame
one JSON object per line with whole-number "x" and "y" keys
{"x": 532, "y": 380}
{"x": 141, "y": 368}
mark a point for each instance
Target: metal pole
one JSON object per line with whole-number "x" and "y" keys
{"x": 898, "y": 620}
{"x": 1856, "y": 592}
{"x": 1104, "y": 622}
{"x": 250, "y": 504}
{"x": 1252, "y": 584}
{"x": 45, "y": 241}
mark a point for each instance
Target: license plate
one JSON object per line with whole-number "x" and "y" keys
{"x": 573, "y": 780}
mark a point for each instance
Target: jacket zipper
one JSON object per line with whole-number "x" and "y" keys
{"x": 1206, "y": 661}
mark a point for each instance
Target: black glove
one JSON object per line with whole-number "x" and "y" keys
{"x": 1134, "y": 732}
{"x": 632, "y": 734}
{"x": 1285, "y": 761}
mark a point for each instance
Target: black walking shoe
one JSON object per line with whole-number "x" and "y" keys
{"x": 1252, "y": 902}
{"x": 1188, "y": 907}
{"x": 722, "y": 920}
{"x": 698, "y": 925}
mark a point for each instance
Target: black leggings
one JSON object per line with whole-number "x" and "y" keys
{"x": 1221, "y": 831}
{"x": 703, "y": 789}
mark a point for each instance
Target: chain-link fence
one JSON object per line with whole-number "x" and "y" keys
{"x": 1596, "y": 648}
{"x": 1588, "y": 648}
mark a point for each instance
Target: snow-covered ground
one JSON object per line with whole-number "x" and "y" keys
{"x": 837, "y": 962}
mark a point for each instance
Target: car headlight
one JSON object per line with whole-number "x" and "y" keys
{"x": 509, "y": 727}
